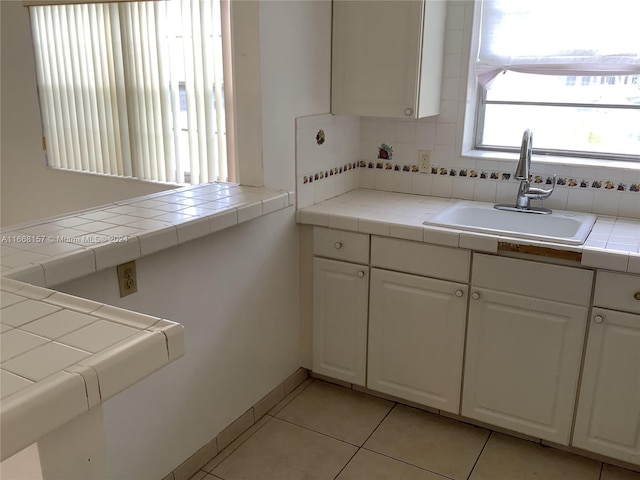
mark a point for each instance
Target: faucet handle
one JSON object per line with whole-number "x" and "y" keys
{"x": 540, "y": 193}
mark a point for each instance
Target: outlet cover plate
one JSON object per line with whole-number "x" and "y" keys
{"x": 424, "y": 161}
{"x": 127, "y": 278}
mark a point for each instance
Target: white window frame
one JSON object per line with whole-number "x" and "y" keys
{"x": 475, "y": 91}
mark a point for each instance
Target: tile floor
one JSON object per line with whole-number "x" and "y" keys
{"x": 324, "y": 431}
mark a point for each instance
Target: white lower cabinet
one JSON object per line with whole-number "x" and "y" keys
{"x": 523, "y": 355}
{"x": 340, "y": 297}
{"x": 608, "y": 415}
{"x": 402, "y": 332}
{"x": 416, "y": 338}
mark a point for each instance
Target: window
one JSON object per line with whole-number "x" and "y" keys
{"x": 569, "y": 70}
{"x": 133, "y": 89}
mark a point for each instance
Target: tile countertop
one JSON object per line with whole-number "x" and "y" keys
{"x": 613, "y": 244}
{"x": 62, "y": 355}
{"x": 59, "y": 249}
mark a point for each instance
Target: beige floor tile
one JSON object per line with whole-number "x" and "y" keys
{"x": 283, "y": 451}
{"x": 609, "y": 472}
{"x": 429, "y": 441}
{"x": 509, "y": 458}
{"x": 372, "y": 466}
{"x": 336, "y": 411}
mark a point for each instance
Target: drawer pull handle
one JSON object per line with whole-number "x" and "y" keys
{"x": 637, "y": 296}
{"x": 338, "y": 245}
{"x": 360, "y": 274}
{"x": 598, "y": 319}
{"x": 475, "y": 295}
{"x": 459, "y": 293}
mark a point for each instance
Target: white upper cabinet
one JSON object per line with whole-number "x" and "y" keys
{"x": 387, "y": 57}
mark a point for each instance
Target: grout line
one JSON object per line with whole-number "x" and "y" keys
{"x": 365, "y": 440}
{"x": 395, "y": 404}
{"x": 442, "y": 475}
{"x": 601, "y": 470}
{"x": 326, "y": 434}
{"x": 319, "y": 433}
{"x": 480, "y": 454}
{"x": 348, "y": 462}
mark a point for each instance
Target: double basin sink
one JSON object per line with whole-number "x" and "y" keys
{"x": 569, "y": 228}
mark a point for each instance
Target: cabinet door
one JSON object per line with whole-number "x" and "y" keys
{"x": 416, "y": 338}
{"x": 375, "y": 57}
{"x": 522, "y": 363}
{"x": 608, "y": 417}
{"x": 340, "y": 293}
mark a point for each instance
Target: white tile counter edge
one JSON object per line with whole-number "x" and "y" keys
{"x": 401, "y": 215}
{"x": 109, "y": 235}
{"x": 41, "y": 406}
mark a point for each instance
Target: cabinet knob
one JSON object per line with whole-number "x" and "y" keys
{"x": 408, "y": 111}
{"x": 360, "y": 274}
{"x": 637, "y": 296}
{"x": 459, "y": 293}
{"x": 338, "y": 245}
{"x": 475, "y": 295}
{"x": 598, "y": 319}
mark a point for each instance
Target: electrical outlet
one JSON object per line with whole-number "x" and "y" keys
{"x": 424, "y": 161}
{"x": 127, "y": 280}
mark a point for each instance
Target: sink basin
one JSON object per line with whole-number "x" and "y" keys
{"x": 564, "y": 227}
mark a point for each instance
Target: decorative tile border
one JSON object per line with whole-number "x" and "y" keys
{"x": 314, "y": 177}
{"x": 570, "y": 182}
{"x": 380, "y": 164}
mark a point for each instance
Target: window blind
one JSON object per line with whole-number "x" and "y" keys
{"x": 568, "y": 37}
{"x": 133, "y": 89}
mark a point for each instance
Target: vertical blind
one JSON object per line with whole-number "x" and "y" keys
{"x": 568, "y": 37}
{"x": 133, "y": 89}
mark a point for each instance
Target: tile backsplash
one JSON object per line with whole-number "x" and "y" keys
{"x": 350, "y": 140}
{"x": 335, "y": 154}
{"x": 327, "y": 155}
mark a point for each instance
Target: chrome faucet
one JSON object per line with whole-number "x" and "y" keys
{"x": 525, "y": 191}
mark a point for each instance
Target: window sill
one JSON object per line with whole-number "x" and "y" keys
{"x": 554, "y": 160}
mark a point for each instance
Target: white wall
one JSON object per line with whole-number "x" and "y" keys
{"x": 29, "y": 190}
{"x": 236, "y": 293}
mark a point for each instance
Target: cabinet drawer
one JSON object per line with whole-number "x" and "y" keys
{"x": 532, "y": 279}
{"x": 420, "y": 258}
{"x": 348, "y": 246}
{"x": 618, "y": 291}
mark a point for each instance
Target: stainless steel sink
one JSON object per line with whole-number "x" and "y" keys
{"x": 564, "y": 227}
